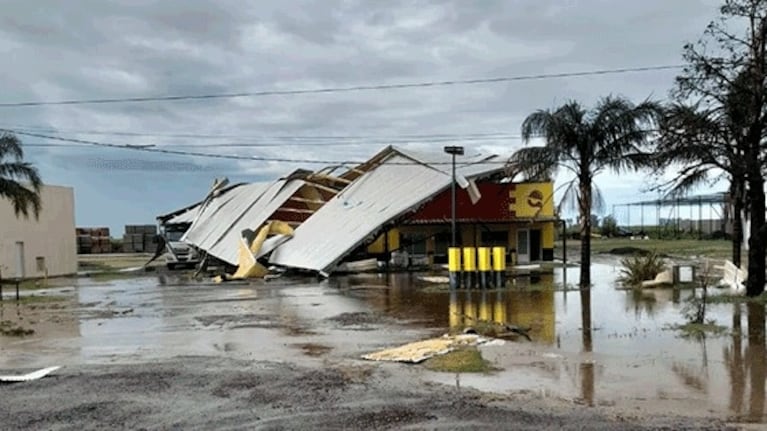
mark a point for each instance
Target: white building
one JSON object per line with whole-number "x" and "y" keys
{"x": 31, "y": 248}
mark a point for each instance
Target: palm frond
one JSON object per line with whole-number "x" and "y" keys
{"x": 21, "y": 198}
{"x": 21, "y": 171}
{"x": 687, "y": 181}
{"x": 570, "y": 197}
{"x": 10, "y": 147}
{"x": 535, "y": 163}
{"x": 620, "y": 128}
{"x": 597, "y": 200}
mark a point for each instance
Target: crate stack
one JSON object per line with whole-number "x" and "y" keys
{"x": 93, "y": 240}
{"x": 140, "y": 238}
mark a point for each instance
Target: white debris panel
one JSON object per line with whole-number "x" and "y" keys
{"x": 218, "y": 228}
{"x": 400, "y": 184}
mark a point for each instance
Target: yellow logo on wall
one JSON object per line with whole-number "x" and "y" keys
{"x": 532, "y": 200}
{"x": 535, "y": 199}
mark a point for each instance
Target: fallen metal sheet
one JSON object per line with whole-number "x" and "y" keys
{"x": 400, "y": 184}
{"x": 39, "y": 374}
{"x": 219, "y": 227}
{"x": 422, "y": 350}
{"x": 251, "y": 249}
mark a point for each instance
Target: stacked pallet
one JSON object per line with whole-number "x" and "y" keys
{"x": 93, "y": 240}
{"x": 140, "y": 239}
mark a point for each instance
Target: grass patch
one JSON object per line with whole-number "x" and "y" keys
{"x": 639, "y": 268}
{"x": 10, "y": 329}
{"x": 716, "y": 249}
{"x": 731, "y": 298}
{"x": 468, "y": 360}
{"x": 32, "y": 299}
{"x": 699, "y": 330}
{"x": 107, "y": 262}
{"x": 39, "y": 299}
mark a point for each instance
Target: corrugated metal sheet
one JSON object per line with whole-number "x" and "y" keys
{"x": 219, "y": 227}
{"x": 378, "y": 197}
{"x": 185, "y": 217}
{"x": 188, "y": 213}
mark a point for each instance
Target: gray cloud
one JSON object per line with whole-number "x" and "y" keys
{"x": 95, "y": 49}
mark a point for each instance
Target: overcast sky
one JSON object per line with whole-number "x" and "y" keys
{"x": 54, "y": 50}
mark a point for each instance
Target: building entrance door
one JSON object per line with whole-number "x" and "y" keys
{"x": 523, "y": 246}
{"x": 20, "y": 259}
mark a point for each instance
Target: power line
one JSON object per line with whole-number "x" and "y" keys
{"x": 153, "y": 149}
{"x": 43, "y": 129}
{"x": 340, "y": 89}
{"x": 284, "y": 144}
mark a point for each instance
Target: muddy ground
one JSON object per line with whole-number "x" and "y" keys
{"x": 164, "y": 352}
{"x": 217, "y": 393}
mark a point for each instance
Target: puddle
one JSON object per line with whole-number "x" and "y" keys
{"x": 598, "y": 347}
{"x": 601, "y": 347}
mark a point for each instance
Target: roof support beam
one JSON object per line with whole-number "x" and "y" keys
{"x": 296, "y": 210}
{"x": 307, "y": 201}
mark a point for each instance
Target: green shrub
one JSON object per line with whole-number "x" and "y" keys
{"x": 637, "y": 269}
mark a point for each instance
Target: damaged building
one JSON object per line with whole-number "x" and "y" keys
{"x": 394, "y": 208}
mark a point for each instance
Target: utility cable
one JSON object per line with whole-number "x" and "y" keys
{"x": 338, "y": 89}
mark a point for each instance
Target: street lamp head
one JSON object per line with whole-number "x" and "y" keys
{"x": 455, "y": 150}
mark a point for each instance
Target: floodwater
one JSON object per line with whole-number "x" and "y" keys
{"x": 603, "y": 347}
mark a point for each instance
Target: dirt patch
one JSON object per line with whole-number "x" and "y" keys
{"x": 297, "y": 331}
{"x": 221, "y": 393}
{"x": 234, "y": 321}
{"x": 314, "y": 350}
{"x": 10, "y": 329}
{"x": 390, "y": 417}
{"x": 360, "y": 320}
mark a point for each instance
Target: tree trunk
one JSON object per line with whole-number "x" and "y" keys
{"x": 756, "y": 243}
{"x": 585, "y": 211}
{"x": 737, "y": 232}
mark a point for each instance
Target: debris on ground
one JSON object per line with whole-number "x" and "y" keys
{"x": 252, "y": 247}
{"x": 423, "y": 350}
{"x": 29, "y": 376}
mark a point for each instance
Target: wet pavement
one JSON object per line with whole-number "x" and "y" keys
{"x": 605, "y": 347}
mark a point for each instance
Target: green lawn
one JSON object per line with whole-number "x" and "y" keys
{"x": 717, "y": 249}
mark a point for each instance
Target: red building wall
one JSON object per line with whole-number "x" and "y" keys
{"x": 492, "y": 207}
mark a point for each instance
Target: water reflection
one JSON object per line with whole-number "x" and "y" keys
{"x": 534, "y": 310}
{"x": 587, "y": 367}
{"x": 755, "y": 357}
{"x": 403, "y": 296}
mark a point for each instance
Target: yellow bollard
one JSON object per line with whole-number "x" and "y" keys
{"x": 469, "y": 310}
{"x": 469, "y": 267}
{"x": 483, "y": 259}
{"x": 455, "y": 318}
{"x": 499, "y": 315}
{"x": 454, "y": 266}
{"x": 499, "y": 266}
{"x": 485, "y": 309}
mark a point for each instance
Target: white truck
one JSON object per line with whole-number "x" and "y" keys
{"x": 178, "y": 254}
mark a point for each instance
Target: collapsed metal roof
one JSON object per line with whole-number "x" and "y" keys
{"x": 394, "y": 183}
{"x": 218, "y": 223}
{"x": 188, "y": 213}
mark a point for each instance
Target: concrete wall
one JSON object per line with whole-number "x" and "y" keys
{"x": 52, "y": 238}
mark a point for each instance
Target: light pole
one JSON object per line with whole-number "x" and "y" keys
{"x": 454, "y": 253}
{"x": 454, "y": 151}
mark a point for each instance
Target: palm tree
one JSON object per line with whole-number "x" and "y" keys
{"x": 19, "y": 181}
{"x": 611, "y": 136}
{"x": 708, "y": 145}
